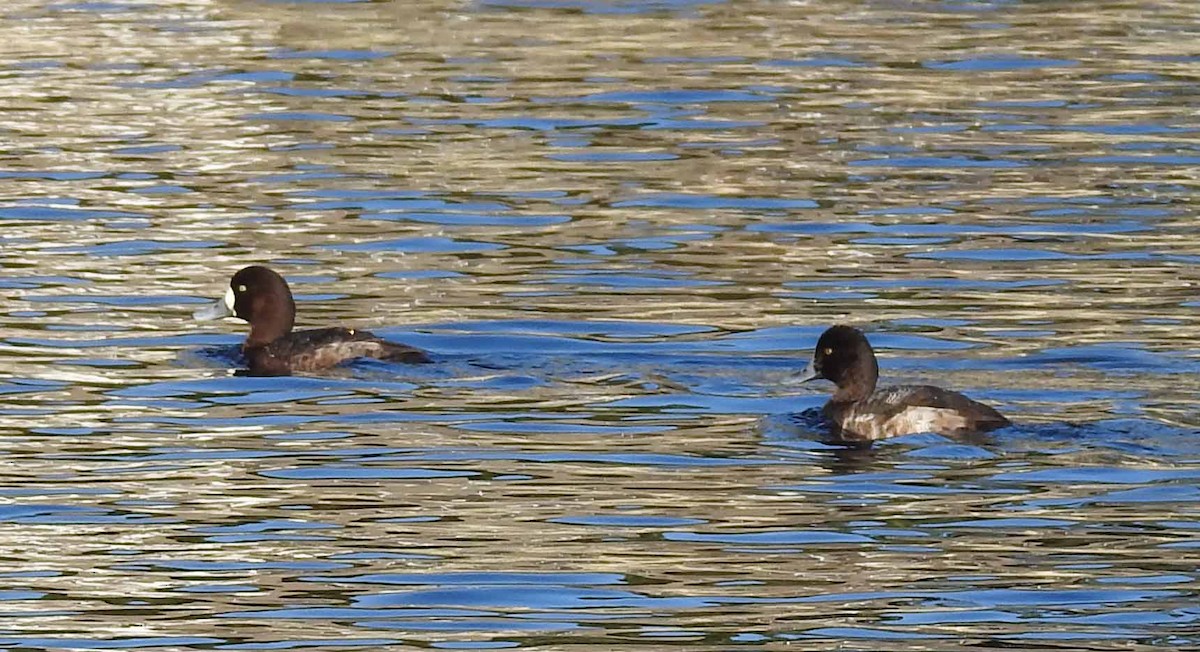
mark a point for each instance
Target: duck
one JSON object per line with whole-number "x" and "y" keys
{"x": 260, "y": 296}
{"x": 859, "y": 413}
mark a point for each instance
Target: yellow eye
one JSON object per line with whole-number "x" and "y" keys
{"x": 241, "y": 288}
{"x": 829, "y": 350}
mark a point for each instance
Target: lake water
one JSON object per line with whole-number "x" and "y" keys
{"x": 619, "y": 226}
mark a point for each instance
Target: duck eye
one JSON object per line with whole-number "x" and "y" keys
{"x": 241, "y": 288}
{"x": 829, "y": 350}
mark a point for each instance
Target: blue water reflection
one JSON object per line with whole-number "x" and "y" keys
{"x": 619, "y": 227}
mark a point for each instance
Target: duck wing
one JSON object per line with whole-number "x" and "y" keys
{"x": 322, "y": 348}
{"x": 911, "y": 409}
{"x": 976, "y": 416}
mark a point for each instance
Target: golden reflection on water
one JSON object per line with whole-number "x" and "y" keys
{"x": 658, "y": 208}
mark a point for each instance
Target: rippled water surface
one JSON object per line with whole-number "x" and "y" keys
{"x": 619, "y": 226}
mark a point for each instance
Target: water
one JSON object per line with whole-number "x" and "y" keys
{"x": 619, "y": 226}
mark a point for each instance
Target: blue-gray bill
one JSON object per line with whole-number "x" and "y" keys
{"x": 214, "y": 310}
{"x": 220, "y": 308}
{"x": 810, "y": 372}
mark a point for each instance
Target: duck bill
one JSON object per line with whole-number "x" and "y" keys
{"x": 810, "y": 372}
{"x": 218, "y": 309}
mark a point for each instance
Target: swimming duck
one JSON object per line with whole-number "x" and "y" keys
{"x": 858, "y": 412}
{"x": 262, "y": 297}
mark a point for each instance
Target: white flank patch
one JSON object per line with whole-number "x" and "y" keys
{"x": 914, "y": 420}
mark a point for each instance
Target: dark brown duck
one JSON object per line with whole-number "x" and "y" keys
{"x": 858, "y": 412}
{"x": 262, "y": 297}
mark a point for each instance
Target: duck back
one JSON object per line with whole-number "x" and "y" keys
{"x": 911, "y": 409}
{"x": 322, "y": 348}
